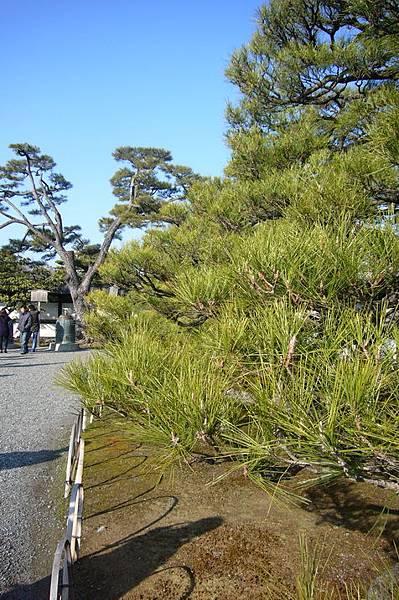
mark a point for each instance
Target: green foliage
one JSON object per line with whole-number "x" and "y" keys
{"x": 319, "y": 102}
{"x": 149, "y": 186}
{"x": 172, "y": 395}
{"x": 291, "y": 365}
{"x": 19, "y": 276}
{"x": 238, "y": 205}
{"x": 331, "y": 398}
{"x": 255, "y": 154}
{"x": 317, "y": 264}
{"x": 307, "y": 52}
{"x": 319, "y": 170}
{"x": 106, "y": 319}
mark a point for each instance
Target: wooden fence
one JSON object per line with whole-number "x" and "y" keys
{"x": 68, "y": 548}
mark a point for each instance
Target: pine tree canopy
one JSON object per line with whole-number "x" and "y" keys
{"x": 155, "y": 184}
{"x": 314, "y": 53}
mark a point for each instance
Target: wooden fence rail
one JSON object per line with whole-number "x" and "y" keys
{"x": 68, "y": 548}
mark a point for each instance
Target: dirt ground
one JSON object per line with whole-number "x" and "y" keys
{"x": 185, "y": 539}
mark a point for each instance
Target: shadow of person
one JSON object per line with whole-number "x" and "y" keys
{"x": 117, "y": 569}
{"x": 13, "y": 460}
{"x": 27, "y": 364}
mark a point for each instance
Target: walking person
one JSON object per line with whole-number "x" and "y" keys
{"x": 4, "y": 330}
{"x": 35, "y": 326}
{"x": 24, "y": 327}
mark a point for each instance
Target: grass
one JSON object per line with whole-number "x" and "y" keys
{"x": 309, "y": 584}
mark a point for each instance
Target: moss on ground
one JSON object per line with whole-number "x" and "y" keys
{"x": 182, "y": 538}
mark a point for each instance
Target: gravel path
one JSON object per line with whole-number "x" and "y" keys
{"x": 35, "y": 421}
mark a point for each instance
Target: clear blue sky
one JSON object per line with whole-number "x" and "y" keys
{"x": 81, "y": 77}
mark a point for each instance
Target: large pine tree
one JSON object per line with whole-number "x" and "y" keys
{"x": 266, "y": 325}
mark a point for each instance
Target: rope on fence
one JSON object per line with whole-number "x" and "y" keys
{"x": 68, "y": 548}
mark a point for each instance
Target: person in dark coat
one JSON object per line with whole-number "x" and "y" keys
{"x": 10, "y": 330}
{"x": 24, "y": 327}
{"x": 4, "y": 330}
{"x": 35, "y": 327}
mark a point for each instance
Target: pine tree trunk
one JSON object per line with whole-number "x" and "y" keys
{"x": 77, "y": 294}
{"x": 78, "y": 303}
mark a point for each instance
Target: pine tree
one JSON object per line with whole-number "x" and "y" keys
{"x": 266, "y": 320}
{"x": 31, "y": 193}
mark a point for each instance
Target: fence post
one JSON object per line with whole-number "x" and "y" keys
{"x": 84, "y": 419}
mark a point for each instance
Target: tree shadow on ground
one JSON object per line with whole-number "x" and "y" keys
{"x": 118, "y": 568}
{"x": 133, "y": 501}
{"x": 119, "y": 476}
{"x": 123, "y": 455}
{"x": 13, "y": 460}
{"x": 354, "y": 507}
{"x": 107, "y": 434}
{"x": 122, "y": 566}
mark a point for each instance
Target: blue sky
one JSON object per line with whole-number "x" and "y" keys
{"x": 81, "y": 77}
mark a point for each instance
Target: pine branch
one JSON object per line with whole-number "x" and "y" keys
{"x": 23, "y": 220}
{"x": 57, "y": 213}
{"x": 42, "y": 207}
{"x": 10, "y": 222}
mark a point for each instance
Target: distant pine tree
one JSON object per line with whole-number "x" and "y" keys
{"x": 31, "y": 193}
{"x": 18, "y": 276}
